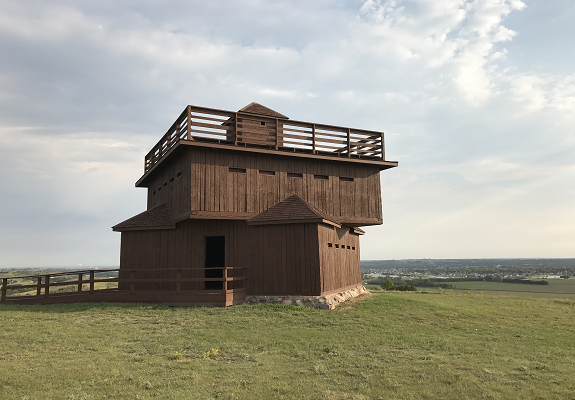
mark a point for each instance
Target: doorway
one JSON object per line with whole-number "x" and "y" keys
{"x": 215, "y": 261}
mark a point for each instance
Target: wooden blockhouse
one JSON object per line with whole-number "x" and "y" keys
{"x": 251, "y": 203}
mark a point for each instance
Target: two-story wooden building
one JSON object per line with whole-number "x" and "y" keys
{"x": 252, "y": 203}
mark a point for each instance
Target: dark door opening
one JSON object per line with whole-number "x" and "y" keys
{"x": 215, "y": 261}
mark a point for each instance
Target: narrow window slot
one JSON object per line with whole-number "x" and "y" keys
{"x": 171, "y": 179}
{"x": 328, "y": 245}
{"x": 264, "y": 172}
{"x": 345, "y": 179}
{"x": 160, "y": 188}
{"x": 237, "y": 170}
{"x": 179, "y": 174}
{"x": 294, "y": 175}
{"x": 165, "y": 184}
{"x": 321, "y": 177}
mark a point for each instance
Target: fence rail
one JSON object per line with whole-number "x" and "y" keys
{"x": 250, "y": 130}
{"x": 129, "y": 282}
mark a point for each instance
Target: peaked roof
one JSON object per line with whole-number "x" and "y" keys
{"x": 256, "y": 108}
{"x": 293, "y": 210}
{"x": 158, "y": 217}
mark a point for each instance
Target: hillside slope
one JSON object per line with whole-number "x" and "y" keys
{"x": 392, "y": 345}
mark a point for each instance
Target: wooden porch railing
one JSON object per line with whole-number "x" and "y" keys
{"x": 130, "y": 282}
{"x": 244, "y": 129}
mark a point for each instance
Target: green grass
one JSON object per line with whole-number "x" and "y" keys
{"x": 400, "y": 345}
{"x": 557, "y": 288}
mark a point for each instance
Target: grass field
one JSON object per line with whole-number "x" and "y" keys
{"x": 557, "y": 288}
{"x": 400, "y": 345}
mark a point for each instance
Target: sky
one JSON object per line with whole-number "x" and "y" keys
{"x": 476, "y": 99}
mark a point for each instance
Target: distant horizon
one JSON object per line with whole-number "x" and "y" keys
{"x": 371, "y": 260}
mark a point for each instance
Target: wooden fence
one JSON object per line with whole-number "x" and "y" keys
{"x": 243, "y": 129}
{"x": 158, "y": 289}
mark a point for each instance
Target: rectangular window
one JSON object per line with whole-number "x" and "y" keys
{"x": 165, "y": 184}
{"x": 262, "y": 123}
{"x": 294, "y": 175}
{"x": 337, "y": 246}
{"x": 348, "y": 247}
{"x": 264, "y": 172}
{"x": 238, "y": 170}
{"x": 160, "y": 188}
{"x": 353, "y": 247}
{"x": 322, "y": 177}
{"x": 171, "y": 179}
{"x": 179, "y": 174}
{"x": 328, "y": 245}
{"x": 345, "y": 179}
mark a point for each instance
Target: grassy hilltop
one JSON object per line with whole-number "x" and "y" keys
{"x": 401, "y": 345}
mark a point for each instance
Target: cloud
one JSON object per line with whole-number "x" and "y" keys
{"x": 88, "y": 88}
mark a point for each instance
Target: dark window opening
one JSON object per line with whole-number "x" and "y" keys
{"x": 348, "y": 247}
{"x": 294, "y": 175}
{"x": 154, "y": 193}
{"x": 165, "y": 184}
{"x": 262, "y": 123}
{"x": 179, "y": 174}
{"x": 353, "y": 247}
{"x": 238, "y": 170}
{"x": 160, "y": 188}
{"x": 330, "y": 245}
{"x": 215, "y": 261}
{"x": 337, "y": 246}
{"x": 345, "y": 179}
{"x": 324, "y": 177}
{"x": 263, "y": 172}
{"x": 239, "y": 120}
{"x": 171, "y": 179}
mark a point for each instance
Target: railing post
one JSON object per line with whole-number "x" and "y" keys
{"x": 132, "y": 283}
{"x": 313, "y": 139}
{"x": 382, "y": 148}
{"x": 348, "y": 142}
{"x": 4, "y": 284}
{"x": 46, "y": 285}
{"x": 189, "y": 136}
{"x": 225, "y": 278}
{"x": 178, "y": 281}
{"x": 39, "y": 286}
{"x": 236, "y": 130}
{"x": 80, "y": 281}
{"x": 277, "y": 134}
{"x": 91, "y": 282}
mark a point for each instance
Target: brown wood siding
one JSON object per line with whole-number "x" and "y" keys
{"x": 281, "y": 259}
{"x": 210, "y": 186}
{"x": 339, "y": 266}
{"x": 176, "y": 192}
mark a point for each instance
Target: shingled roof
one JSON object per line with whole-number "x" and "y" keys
{"x": 155, "y": 218}
{"x": 256, "y": 108}
{"x": 293, "y": 210}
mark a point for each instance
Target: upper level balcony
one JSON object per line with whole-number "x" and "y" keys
{"x": 260, "y": 129}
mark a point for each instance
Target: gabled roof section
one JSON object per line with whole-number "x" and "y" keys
{"x": 293, "y": 210}
{"x": 256, "y": 108}
{"x": 158, "y": 217}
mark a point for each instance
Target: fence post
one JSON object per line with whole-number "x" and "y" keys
{"x": 80, "y": 282}
{"x": 39, "y": 286}
{"x": 4, "y": 284}
{"x": 91, "y": 282}
{"x": 132, "y": 283}
{"x": 226, "y": 278}
{"x": 47, "y": 285}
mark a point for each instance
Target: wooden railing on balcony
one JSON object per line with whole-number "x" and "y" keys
{"x": 172, "y": 285}
{"x": 245, "y": 129}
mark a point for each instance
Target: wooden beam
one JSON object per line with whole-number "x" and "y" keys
{"x": 80, "y": 281}
{"x": 4, "y": 284}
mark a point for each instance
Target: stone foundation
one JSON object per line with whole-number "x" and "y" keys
{"x": 326, "y": 302}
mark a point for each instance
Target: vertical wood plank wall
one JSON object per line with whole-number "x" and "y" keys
{"x": 340, "y": 263}
{"x": 281, "y": 259}
{"x": 175, "y": 190}
{"x": 207, "y": 184}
